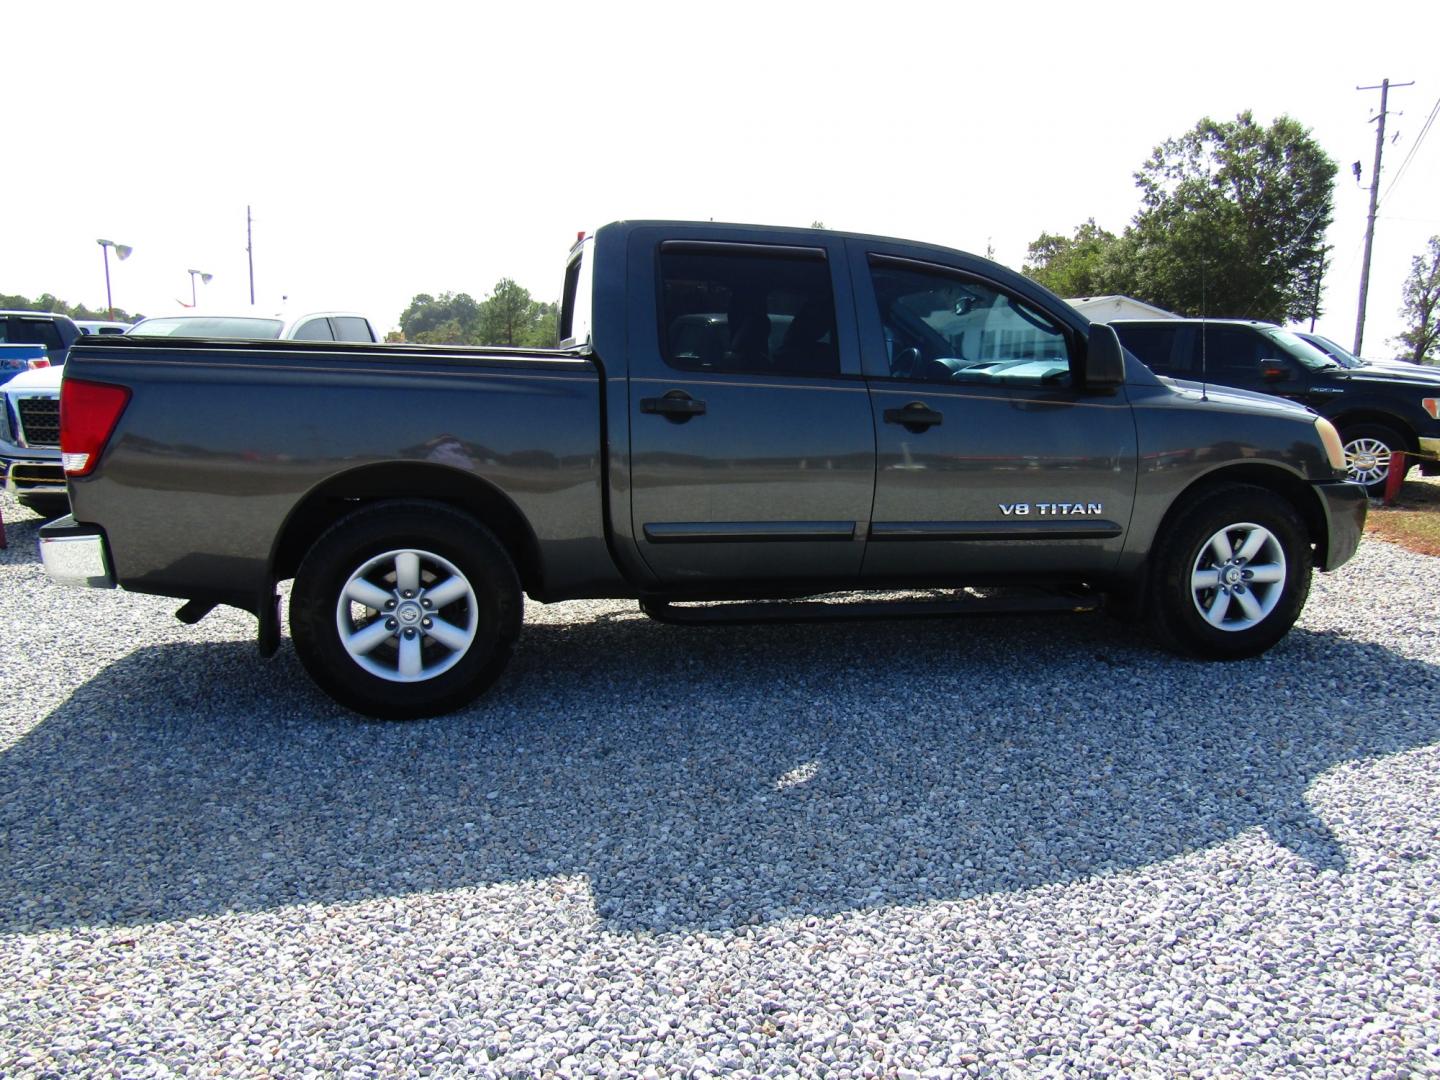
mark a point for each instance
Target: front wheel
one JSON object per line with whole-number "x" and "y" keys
{"x": 1231, "y": 574}
{"x": 1368, "y": 449}
{"x": 405, "y": 609}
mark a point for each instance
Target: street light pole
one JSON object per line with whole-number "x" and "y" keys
{"x": 122, "y": 252}
{"x": 203, "y": 277}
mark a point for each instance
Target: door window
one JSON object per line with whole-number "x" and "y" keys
{"x": 951, "y": 328}
{"x": 742, "y": 309}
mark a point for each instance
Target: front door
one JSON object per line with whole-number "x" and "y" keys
{"x": 992, "y": 458}
{"x": 752, "y": 446}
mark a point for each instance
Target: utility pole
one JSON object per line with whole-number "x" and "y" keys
{"x": 250, "y": 254}
{"x": 1384, "y": 89}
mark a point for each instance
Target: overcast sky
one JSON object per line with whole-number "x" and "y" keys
{"x": 391, "y": 149}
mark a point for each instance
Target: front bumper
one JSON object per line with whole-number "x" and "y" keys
{"x": 1429, "y": 448}
{"x": 76, "y": 554}
{"x": 40, "y": 476}
{"x": 1345, "y": 505}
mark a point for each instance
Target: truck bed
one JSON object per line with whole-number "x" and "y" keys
{"x": 267, "y": 441}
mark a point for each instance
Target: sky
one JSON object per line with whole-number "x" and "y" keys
{"x": 392, "y": 149}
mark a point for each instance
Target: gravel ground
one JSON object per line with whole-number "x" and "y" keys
{"x": 1020, "y": 846}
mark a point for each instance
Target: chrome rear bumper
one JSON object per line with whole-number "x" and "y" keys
{"x": 76, "y": 554}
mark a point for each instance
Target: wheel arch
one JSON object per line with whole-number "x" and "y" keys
{"x": 348, "y": 491}
{"x": 1287, "y": 485}
{"x": 1352, "y": 417}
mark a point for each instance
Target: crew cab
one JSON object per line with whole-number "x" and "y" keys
{"x": 53, "y": 332}
{"x": 1378, "y": 410}
{"x": 735, "y": 413}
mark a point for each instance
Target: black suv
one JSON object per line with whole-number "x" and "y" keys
{"x": 1378, "y": 410}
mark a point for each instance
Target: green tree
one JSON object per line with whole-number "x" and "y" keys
{"x": 1072, "y": 265}
{"x": 1420, "y": 308}
{"x": 544, "y": 331}
{"x": 1232, "y": 220}
{"x": 505, "y": 314}
{"x": 47, "y": 302}
{"x": 449, "y": 319}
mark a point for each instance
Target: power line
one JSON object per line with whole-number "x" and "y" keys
{"x": 1414, "y": 147}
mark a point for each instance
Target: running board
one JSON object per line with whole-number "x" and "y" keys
{"x": 787, "y": 611}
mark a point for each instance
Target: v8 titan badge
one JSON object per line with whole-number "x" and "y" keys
{"x": 1062, "y": 509}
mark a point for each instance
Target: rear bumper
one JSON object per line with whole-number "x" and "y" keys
{"x": 75, "y": 554}
{"x": 1345, "y": 506}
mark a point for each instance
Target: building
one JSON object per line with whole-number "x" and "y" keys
{"x": 1103, "y": 309}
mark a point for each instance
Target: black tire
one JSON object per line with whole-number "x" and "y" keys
{"x": 1367, "y": 443}
{"x": 1178, "y": 600}
{"x": 447, "y": 545}
{"x": 47, "y": 506}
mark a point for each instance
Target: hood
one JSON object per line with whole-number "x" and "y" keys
{"x": 1236, "y": 398}
{"x": 45, "y": 378}
{"x": 1415, "y": 376}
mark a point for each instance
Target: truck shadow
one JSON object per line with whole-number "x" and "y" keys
{"x": 697, "y": 778}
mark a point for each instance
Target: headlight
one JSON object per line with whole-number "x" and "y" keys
{"x": 5, "y": 417}
{"x": 1432, "y": 406}
{"x": 1331, "y": 438}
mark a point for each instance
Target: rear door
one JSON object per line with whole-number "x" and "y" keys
{"x": 992, "y": 458}
{"x": 752, "y": 446}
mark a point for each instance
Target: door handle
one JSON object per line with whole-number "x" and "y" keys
{"x": 677, "y": 406}
{"x": 915, "y": 417}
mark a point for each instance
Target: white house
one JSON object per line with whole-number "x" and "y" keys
{"x": 1103, "y": 309}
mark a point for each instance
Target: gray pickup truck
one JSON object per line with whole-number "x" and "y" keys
{"x": 734, "y": 413}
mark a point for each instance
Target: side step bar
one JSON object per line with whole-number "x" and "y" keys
{"x": 1002, "y": 602}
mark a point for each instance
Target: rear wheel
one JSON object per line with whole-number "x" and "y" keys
{"x": 1232, "y": 572}
{"x": 1368, "y": 448}
{"x": 405, "y": 609}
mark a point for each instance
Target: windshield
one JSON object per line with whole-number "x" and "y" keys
{"x": 202, "y": 326}
{"x": 1342, "y": 356}
{"x": 1303, "y": 351}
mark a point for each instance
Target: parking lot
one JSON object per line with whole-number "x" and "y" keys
{"x": 1004, "y": 846}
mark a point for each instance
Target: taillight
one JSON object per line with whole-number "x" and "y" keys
{"x": 89, "y": 412}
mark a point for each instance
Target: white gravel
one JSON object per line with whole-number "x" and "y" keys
{"x": 996, "y": 847}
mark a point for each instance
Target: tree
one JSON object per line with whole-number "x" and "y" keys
{"x": 1071, "y": 265}
{"x": 505, "y": 314}
{"x": 47, "y": 302}
{"x": 1420, "y": 308}
{"x": 508, "y": 316}
{"x": 450, "y": 319}
{"x": 1233, "y": 220}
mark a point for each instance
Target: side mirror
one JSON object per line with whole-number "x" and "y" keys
{"x": 1274, "y": 371}
{"x": 1104, "y": 358}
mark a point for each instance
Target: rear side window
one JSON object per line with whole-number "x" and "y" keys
{"x": 350, "y": 328}
{"x": 314, "y": 330}
{"x": 741, "y": 308}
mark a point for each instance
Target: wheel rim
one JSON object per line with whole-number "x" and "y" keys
{"x": 1238, "y": 576}
{"x": 407, "y": 615}
{"x": 1367, "y": 460}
